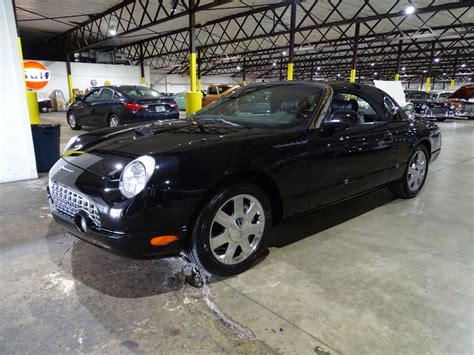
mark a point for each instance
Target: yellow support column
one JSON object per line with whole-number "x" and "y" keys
{"x": 290, "y": 71}
{"x": 397, "y": 77}
{"x": 199, "y": 85}
{"x": 428, "y": 84}
{"x": 70, "y": 88}
{"x": 31, "y": 96}
{"x": 353, "y": 76}
{"x": 33, "y": 109}
{"x": 193, "y": 97}
{"x": 142, "y": 80}
{"x": 451, "y": 84}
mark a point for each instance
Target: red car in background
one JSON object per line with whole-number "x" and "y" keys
{"x": 463, "y": 101}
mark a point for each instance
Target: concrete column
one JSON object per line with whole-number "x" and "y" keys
{"x": 17, "y": 156}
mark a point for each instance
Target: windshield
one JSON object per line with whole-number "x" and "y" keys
{"x": 139, "y": 91}
{"x": 280, "y": 105}
{"x": 417, "y": 96}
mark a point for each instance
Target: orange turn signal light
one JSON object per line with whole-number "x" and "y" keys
{"x": 163, "y": 240}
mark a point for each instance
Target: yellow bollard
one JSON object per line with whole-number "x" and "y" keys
{"x": 193, "y": 101}
{"x": 33, "y": 109}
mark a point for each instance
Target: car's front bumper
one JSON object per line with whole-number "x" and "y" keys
{"x": 135, "y": 246}
{"x": 76, "y": 195}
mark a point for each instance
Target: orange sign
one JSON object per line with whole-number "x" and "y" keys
{"x": 36, "y": 75}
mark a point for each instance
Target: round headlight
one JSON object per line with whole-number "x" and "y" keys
{"x": 423, "y": 106}
{"x": 451, "y": 107}
{"x": 136, "y": 175}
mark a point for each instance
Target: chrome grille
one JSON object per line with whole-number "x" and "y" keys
{"x": 69, "y": 202}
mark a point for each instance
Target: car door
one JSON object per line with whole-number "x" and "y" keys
{"x": 353, "y": 150}
{"x": 102, "y": 107}
{"x": 84, "y": 109}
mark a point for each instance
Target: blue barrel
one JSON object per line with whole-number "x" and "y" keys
{"x": 46, "y": 142}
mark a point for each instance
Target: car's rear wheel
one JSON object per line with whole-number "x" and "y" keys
{"x": 414, "y": 176}
{"x": 232, "y": 229}
{"x": 114, "y": 120}
{"x": 72, "y": 121}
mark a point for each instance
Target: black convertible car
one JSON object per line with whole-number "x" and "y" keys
{"x": 112, "y": 106}
{"x": 215, "y": 184}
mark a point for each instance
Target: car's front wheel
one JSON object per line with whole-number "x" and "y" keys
{"x": 414, "y": 176}
{"x": 72, "y": 121}
{"x": 232, "y": 230}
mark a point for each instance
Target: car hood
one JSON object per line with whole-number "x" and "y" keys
{"x": 106, "y": 153}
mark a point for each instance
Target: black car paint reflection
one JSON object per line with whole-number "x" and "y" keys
{"x": 301, "y": 168}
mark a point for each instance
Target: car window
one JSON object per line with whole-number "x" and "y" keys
{"x": 116, "y": 95}
{"x": 212, "y": 90}
{"x": 139, "y": 91}
{"x": 105, "y": 94}
{"x": 356, "y": 109}
{"x": 268, "y": 106}
{"x": 223, "y": 88}
{"x": 417, "y": 95}
{"x": 92, "y": 95}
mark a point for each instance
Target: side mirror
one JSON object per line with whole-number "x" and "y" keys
{"x": 344, "y": 117}
{"x": 79, "y": 97}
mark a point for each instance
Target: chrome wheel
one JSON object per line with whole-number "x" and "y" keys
{"x": 113, "y": 122}
{"x": 416, "y": 170}
{"x": 237, "y": 229}
{"x": 72, "y": 120}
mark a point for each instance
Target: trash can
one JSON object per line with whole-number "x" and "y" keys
{"x": 46, "y": 143}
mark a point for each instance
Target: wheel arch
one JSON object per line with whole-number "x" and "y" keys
{"x": 255, "y": 177}
{"x": 426, "y": 143}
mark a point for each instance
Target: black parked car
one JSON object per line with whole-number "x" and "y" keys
{"x": 214, "y": 185}
{"x": 112, "y": 106}
{"x": 425, "y": 107}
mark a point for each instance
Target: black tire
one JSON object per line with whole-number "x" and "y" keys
{"x": 401, "y": 188}
{"x": 72, "y": 121}
{"x": 199, "y": 249}
{"x": 112, "y": 119}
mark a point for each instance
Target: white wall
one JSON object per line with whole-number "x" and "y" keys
{"x": 83, "y": 73}
{"x": 17, "y": 157}
{"x": 174, "y": 83}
